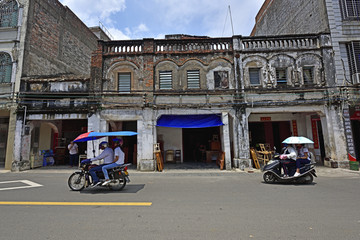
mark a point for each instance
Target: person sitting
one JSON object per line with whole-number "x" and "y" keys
{"x": 119, "y": 157}
{"x": 289, "y": 153}
{"x": 302, "y": 159}
{"x": 107, "y": 155}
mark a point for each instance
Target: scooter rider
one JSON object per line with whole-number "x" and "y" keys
{"x": 107, "y": 155}
{"x": 119, "y": 157}
{"x": 289, "y": 153}
{"x": 303, "y": 157}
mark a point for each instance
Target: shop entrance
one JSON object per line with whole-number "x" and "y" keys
{"x": 269, "y": 132}
{"x": 4, "y": 123}
{"x": 200, "y": 143}
{"x": 356, "y": 137}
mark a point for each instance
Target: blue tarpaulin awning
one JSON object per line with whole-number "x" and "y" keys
{"x": 190, "y": 121}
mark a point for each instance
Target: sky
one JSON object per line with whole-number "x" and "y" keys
{"x": 138, "y": 19}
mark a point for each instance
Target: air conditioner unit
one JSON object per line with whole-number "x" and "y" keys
{"x": 356, "y": 78}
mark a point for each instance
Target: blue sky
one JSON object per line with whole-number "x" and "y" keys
{"x": 137, "y": 19}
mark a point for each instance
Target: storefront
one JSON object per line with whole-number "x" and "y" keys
{"x": 190, "y": 138}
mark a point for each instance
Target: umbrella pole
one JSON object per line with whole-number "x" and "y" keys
{"x": 93, "y": 148}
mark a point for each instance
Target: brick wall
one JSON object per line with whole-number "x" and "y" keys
{"x": 291, "y": 17}
{"x": 57, "y": 42}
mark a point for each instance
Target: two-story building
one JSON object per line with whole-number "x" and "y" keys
{"x": 339, "y": 18}
{"x": 184, "y": 91}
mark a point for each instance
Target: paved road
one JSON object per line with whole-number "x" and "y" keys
{"x": 184, "y": 205}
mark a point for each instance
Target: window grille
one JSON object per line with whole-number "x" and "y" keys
{"x": 5, "y": 68}
{"x": 193, "y": 78}
{"x": 350, "y": 9}
{"x": 308, "y": 75}
{"x": 8, "y": 13}
{"x": 165, "y": 79}
{"x": 353, "y": 51}
{"x": 124, "y": 82}
{"x": 254, "y": 76}
{"x": 281, "y": 76}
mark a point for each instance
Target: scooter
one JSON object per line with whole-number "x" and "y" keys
{"x": 275, "y": 171}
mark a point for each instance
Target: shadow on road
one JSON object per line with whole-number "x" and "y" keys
{"x": 131, "y": 188}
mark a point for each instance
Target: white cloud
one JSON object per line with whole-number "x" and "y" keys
{"x": 93, "y": 11}
{"x": 118, "y": 34}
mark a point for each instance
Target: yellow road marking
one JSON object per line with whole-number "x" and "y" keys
{"x": 79, "y": 203}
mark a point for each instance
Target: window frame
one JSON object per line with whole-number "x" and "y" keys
{"x": 5, "y": 67}
{"x": 311, "y": 70}
{"x": 219, "y": 86}
{"x": 258, "y": 71}
{"x": 127, "y": 88}
{"x": 350, "y": 9}
{"x": 9, "y": 14}
{"x": 165, "y": 80}
{"x": 281, "y": 81}
{"x": 193, "y": 79}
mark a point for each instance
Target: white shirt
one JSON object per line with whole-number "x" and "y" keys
{"x": 290, "y": 153}
{"x": 107, "y": 155}
{"x": 73, "y": 149}
{"x": 302, "y": 151}
{"x": 121, "y": 154}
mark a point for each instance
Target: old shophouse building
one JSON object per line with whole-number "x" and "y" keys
{"x": 185, "y": 92}
{"x": 245, "y": 90}
{"x": 43, "y": 46}
{"x": 341, "y": 19}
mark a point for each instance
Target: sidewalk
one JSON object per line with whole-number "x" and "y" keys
{"x": 195, "y": 169}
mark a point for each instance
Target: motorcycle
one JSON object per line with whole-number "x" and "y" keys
{"x": 118, "y": 176}
{"x": 274, "y": 171}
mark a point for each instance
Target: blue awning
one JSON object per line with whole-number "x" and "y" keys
{"x": 190, "y": 121}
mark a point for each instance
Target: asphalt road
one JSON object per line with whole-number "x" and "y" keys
{"x": 180, "y": 205}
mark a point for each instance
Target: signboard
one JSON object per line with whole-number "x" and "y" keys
{"x": 263, "y": 119}
{"x": 348, "y": 133}
{"x": 294, "y": 127}
{"x": 315, "y": 133}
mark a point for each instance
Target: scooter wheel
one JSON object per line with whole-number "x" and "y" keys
{"x": 309, "y": 179}
{"x": 269, "y": 177}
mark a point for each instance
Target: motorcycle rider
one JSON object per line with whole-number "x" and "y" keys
{"x": 108, "y": 156}
{"x": 119, "y": 157}
{"x": 289, "y": 153}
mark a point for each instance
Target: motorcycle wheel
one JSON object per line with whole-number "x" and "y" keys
{"x": 118, "y": 184}
{"x": 269, "y": 177}
{"x": 76, "y": 181}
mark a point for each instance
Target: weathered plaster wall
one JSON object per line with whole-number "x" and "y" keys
{"x": 292, "y": 17}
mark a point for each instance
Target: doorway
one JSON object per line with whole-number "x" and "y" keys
{"x": 196, "y": 141}
{"x": 269, "y": 132}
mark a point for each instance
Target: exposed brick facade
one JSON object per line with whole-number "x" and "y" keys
{"x": 57, "y": 41}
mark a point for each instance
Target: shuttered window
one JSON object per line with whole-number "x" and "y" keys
{"x": 350, "y": 9}
{"x": 281, "y": 76}
{"x": 193, "y": 79}
{"x": 254, "y": 76}
{"x": 8, "y": 13}
{"x": 165, "y": 79}
{"x": 124, "y": 82}
{"x": 353, "y": 51}
{"x": 5, "y": 68}
{"x": 308, "y": 75}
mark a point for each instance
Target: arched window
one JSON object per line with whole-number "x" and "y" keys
{"x": 8, "y": 13}
{"x": 5, "y": 68}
